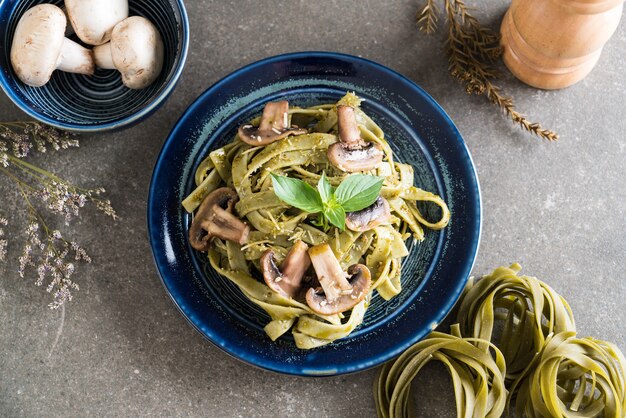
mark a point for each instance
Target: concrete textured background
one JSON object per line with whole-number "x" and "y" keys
{"x": 124, "y": 350}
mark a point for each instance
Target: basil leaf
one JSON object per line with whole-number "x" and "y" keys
{"x": 336, "y": 215}
{"x": 297, "y": 193}
{"x": 358, "y": 191}
{"x": 325, "y": 188}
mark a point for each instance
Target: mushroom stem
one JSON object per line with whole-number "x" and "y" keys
{"x": 348, "y": 128}
{"x": 225, "y": 225}
{"x": 273, "y": 127}
{"x": 352, "y": 153}
{"x": 340, "y": 290}
{"x": 275, "y": 116}
{"x": 297, "y": 262}
{"x": 75, "y": 59}
{"x": 329, "y": 272}
{"x": 103, "y": 57}
{"x": 288, "y": 279}
{"x": 214, "y": 218}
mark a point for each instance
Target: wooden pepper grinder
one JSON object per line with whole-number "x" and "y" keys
{"x": 551, "y": 44}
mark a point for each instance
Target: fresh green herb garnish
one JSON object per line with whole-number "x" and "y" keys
{"x": 358, "y": 191}
{"x": 297, "y": 193}
{"x": 355, "y": 193}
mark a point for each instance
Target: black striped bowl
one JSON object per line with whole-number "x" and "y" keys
{"x": 99, "y": 102}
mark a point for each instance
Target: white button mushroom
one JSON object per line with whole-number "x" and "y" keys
{"x": 352, "y": 153}
{"x": 94, "y": 20}
{"x": 40, "y": 47}
{"x": 135, "y": 50}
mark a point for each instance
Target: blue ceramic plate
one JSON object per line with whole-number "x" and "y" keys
{"x": 419, "y": 132}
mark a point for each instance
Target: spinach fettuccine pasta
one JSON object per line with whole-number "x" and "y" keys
{"x": 477, "y": 377}
{"x": 514, "y": 348}
{"x": 525, "y": 310}
{"x": 308, "y": 212}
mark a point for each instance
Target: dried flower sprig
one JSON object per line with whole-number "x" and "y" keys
{"x": 3, "y": 242}
{"x": 472, "y": 53}
{"x": 23, "y": 136}
{"x": 46, "y": 251}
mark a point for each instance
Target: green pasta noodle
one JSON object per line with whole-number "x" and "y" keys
{"x": 477, "y": 377}
{"x": 526, "y": 309}
{"x": 275, "y": 225}
{"x": 574, "y": 378}
{"x": 527, "y": 330}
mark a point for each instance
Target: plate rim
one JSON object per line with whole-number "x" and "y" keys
{"x": 380, "y": 358}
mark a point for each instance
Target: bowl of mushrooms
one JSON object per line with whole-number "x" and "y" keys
{"x": 91, "y": 65}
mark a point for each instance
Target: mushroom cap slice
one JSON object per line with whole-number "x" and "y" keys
{"x": 214, "y": 218}
{"x": 358, "y": 160}
{"x": 369, "y": 218}
{"x": 94, "y": 20}
{"x": 39, "y": 47}
{"x": 353, "y": 154}
{"x": 274, "y": 126}
{"x": 287, "y": 279}
{"x": 337, "y": 293}
{"x": 360, "y": 280}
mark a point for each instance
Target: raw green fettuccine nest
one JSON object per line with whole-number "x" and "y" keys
{"x": 519, "y": 334}
{"x": 477, "y": 378}
{"x": 526, "y": 309}
{"x": 574, "y": 378}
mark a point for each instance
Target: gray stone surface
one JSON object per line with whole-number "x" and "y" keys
{"x": 124, "y": 350}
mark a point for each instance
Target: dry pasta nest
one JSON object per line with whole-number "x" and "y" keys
{"x": 514, "y": 334}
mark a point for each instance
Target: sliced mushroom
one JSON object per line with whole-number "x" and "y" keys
{"x": 94, "y": 20}
{"x": 338, "y": 293}
{"x": 215, "y": 219}
{"x": 287, "y": 279}
{"x": 40, "y": 47}
{"x": 274, "y": 126}
{"x": 135, "y": 50}
{"x": 353, "y": 154}
{"x": 370, "y": 217}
